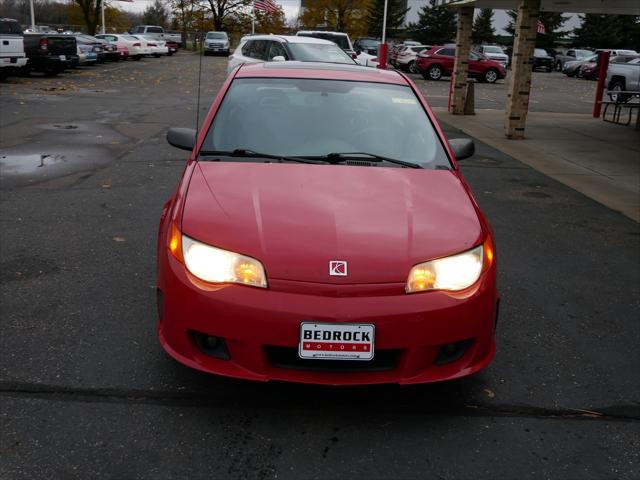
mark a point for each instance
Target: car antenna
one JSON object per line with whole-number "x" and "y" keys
{"x": 199, "y": 80}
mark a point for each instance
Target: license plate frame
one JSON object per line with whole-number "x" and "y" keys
{"x": 324, "y": 344}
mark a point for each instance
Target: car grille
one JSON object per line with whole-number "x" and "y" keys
{"x": 285, "y": 357}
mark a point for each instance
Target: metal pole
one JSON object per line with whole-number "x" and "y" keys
{"x": 382, "y": 54}
{"x": 33, "y": 17}
{"x": 253, "y": 19}
{"x": 102, "y": 12}
{"x": 603, "y": 65}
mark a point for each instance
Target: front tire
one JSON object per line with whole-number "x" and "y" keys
{"x": 413, "y": 67}
{"x": 137, "y": 58}
{"x": 434, "y": 72}
{"x": 491, "y": 75}
{"x": 618, "y": 86}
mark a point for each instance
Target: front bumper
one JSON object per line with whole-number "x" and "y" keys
{"x": 260, "y": 327}
{"x": 216, "y": 48}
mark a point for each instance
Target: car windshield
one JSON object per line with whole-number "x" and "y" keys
{"x": 341, "y": 40}
{"x": 539, "y": 52}
{"x": 314, "y": 118}
{"x": 583, "y": 53}
{"x": 490, "y": 49}
{"x": 130, "y": 37}
{"x": 319, "y": 52}
{"x": 368, "y": 44}
{"x": 216, "y": 35}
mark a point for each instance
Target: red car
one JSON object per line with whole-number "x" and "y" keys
{"x": 438, "y": 63}
{"x": 322, "y": 232}
{"x": 172, "y": 46}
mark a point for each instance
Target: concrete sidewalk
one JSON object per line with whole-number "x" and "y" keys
{"x": 598, "y": 159}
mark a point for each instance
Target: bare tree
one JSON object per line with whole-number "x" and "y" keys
{"x": 223, "y": 9}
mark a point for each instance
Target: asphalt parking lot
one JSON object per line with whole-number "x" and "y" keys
{"x": 86, "y": 390}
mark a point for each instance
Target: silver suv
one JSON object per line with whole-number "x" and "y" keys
{"x": 280, "y": 48}
{"x": 216, "y": 42}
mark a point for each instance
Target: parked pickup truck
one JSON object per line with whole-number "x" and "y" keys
{"x": 47, "y": 52}
{"x": 12, "y": 56}
{"x": 623, "y": 77}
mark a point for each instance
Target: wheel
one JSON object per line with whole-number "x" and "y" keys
{"x": 434, "y": 72}
{"x": 490, "y": 76}
{"x": 157, "y": 55}
{"x": 137, "y": 57}
{"x": 618, "y": 86}
{"x": 558, "y": 66}
{"x": 170, "y": 53}
{"x": 413, "y": 67}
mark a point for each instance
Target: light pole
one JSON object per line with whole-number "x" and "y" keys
{"x": 382, "y": 54}
{"x": 33, "y": 17}
{"x": 102, "y": 30}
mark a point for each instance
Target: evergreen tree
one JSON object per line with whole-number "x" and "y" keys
{"x": 483, "y": 31}
{"x": 396, "y": 12}
{"x": 436, "y": 25}
{"x": 608, "y": 31}
{"x": 552, "y": 22}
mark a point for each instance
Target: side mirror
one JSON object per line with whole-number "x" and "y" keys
{"x": 182, "y": 138}
{"x": 278, "y": 58}
{"x": 462, "y": 148}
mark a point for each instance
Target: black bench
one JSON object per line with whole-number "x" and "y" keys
{"x": 622, "y": 112}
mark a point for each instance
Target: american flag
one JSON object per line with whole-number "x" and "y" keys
{"x": 265, "y": 5}
{"x": 541, "y": 30}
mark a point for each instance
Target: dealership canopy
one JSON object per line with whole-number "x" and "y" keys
{"x": 526, "y": 29}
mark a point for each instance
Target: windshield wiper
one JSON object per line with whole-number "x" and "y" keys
{"x": 344, "y": 156}
{"x": 246, "y": 153}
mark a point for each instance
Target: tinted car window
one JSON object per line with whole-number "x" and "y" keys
{"x": 340, "y": 40}
{"x": 246, "y": 49}
{"x": 154, "y": 30}
{"x": 259, "y": 49}
{"x": 317, "y": 52}
{"x": 10, "y": 27}
{"x": 309, "y": 117}
{"x": 276, "y": 49}
{"x": 447, "y": 52}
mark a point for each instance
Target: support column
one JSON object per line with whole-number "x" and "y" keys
{"x": 521, "y": 68}
{"x": 461, "y": 65}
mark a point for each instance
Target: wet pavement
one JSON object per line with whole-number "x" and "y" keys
{"x": 86, "y": 391}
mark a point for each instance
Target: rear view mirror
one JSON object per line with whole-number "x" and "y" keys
{"x": 183, "y": 138}
{"x": 278, "y": 58}
{"x": 462, "y": 147}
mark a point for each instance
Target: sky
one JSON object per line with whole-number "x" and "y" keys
{"x": 291, "y": 8}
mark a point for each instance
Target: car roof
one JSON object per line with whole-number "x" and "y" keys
{"x": 288, "y": 39}
{"x": 323, "y": 32}
{"x": 321, "y": 71}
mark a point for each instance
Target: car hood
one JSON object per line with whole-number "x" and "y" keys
{"x": 297, "y": 218}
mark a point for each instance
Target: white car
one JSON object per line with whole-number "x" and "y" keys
{"x": 280, "y": 48}
{"x": 158, "y": 47}
{"x": 406, "y": 57}
{"x": 367, "y": 60}
{"x": 137, "y": 48}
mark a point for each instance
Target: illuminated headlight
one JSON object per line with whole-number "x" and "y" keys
{"x": 215, "y": 265}
{"x": 456, "y": 272}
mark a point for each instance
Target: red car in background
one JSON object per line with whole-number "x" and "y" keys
{"x": 438, "y": 62}
{"x": 172, "y": 46}
{"x": 322, "y": 232}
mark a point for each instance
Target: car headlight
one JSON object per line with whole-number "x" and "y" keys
{"x": 215, "y": 265}
{"x": 453, "y": 273}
